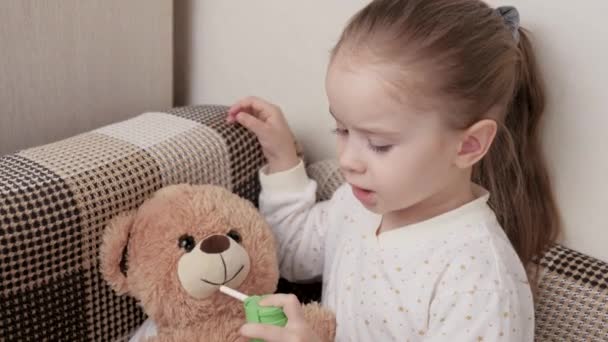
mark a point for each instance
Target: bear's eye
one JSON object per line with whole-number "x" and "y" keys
{"x": 186, "y": 242}
{"x": 234, "y": 235}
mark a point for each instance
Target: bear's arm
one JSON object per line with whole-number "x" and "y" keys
{"x": 322, "y": 321}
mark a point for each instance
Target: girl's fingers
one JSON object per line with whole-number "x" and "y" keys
{"x": 266, "y": 332}
{"x": 255, "y": 125}
{"x": 254, "y": 106}
{"x": 290, "y": 304}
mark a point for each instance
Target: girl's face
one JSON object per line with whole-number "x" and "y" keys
{"x": 394, "y": 155}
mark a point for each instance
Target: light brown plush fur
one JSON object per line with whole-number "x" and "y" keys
{"x": 145, "y": 241}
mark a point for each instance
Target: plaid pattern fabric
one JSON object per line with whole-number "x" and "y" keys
{"x": 573, "y": 297}
{"x": 56, "y": 199}
{"x": 572, "y": 301}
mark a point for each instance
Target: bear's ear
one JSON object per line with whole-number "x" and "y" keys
{"x": 113, "y": 254}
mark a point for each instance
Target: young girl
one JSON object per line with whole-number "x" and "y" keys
{"x": 447, "y": 200}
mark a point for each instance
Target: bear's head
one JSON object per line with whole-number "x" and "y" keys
{"x": 173, "y": 253}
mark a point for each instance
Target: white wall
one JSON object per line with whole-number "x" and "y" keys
{"x": 279, "y": 50}
{"x": 274, "y": 49}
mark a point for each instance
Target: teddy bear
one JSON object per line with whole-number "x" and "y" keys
{"x": 174, "y": 252}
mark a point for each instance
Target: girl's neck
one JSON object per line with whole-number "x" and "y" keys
{"x": 439, "y": 203}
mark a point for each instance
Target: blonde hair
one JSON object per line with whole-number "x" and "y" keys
{"x": 473, "y": 60}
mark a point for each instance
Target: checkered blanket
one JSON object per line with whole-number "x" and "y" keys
{"x": 56, "y": 199}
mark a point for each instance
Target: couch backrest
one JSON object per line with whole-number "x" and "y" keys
{"x": 56, "y": 199}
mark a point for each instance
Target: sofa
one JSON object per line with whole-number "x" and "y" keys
{"x": 56, "y": 199}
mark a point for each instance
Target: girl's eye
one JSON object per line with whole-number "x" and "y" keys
{"x": 340, "y": 131}
{"x": 186, "y": 242}
{"x": 379, "y": 149}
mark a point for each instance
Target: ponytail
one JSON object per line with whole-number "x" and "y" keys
{"x": 514, "y": 169}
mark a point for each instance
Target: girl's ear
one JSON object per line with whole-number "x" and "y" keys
{"x": 113, "y": 254}
{"x": 475, "y": 142}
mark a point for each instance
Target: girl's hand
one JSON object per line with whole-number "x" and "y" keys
{"x": 267, "y": 122}
{"x": 296, "y": 330}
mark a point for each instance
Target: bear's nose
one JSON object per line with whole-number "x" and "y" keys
{"x": 215, "y": 244}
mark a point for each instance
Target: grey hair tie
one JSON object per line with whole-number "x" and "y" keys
{"x": 510, "y": 15}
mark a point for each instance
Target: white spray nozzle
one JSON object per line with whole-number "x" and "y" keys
{"x": 233, "y": 293}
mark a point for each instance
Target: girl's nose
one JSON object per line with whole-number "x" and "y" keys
{"x": 350, "y": 160}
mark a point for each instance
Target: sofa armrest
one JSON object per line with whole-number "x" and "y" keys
{"x": 56, "y": 199}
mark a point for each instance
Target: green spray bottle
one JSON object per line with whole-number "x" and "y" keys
{"x": 254, "y": 312}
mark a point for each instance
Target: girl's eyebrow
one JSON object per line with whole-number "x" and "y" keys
{"x": 379, "y": 131}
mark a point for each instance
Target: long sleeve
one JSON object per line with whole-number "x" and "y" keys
{"x": 288, "y": 202}
{"x": 479, "y": 316}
